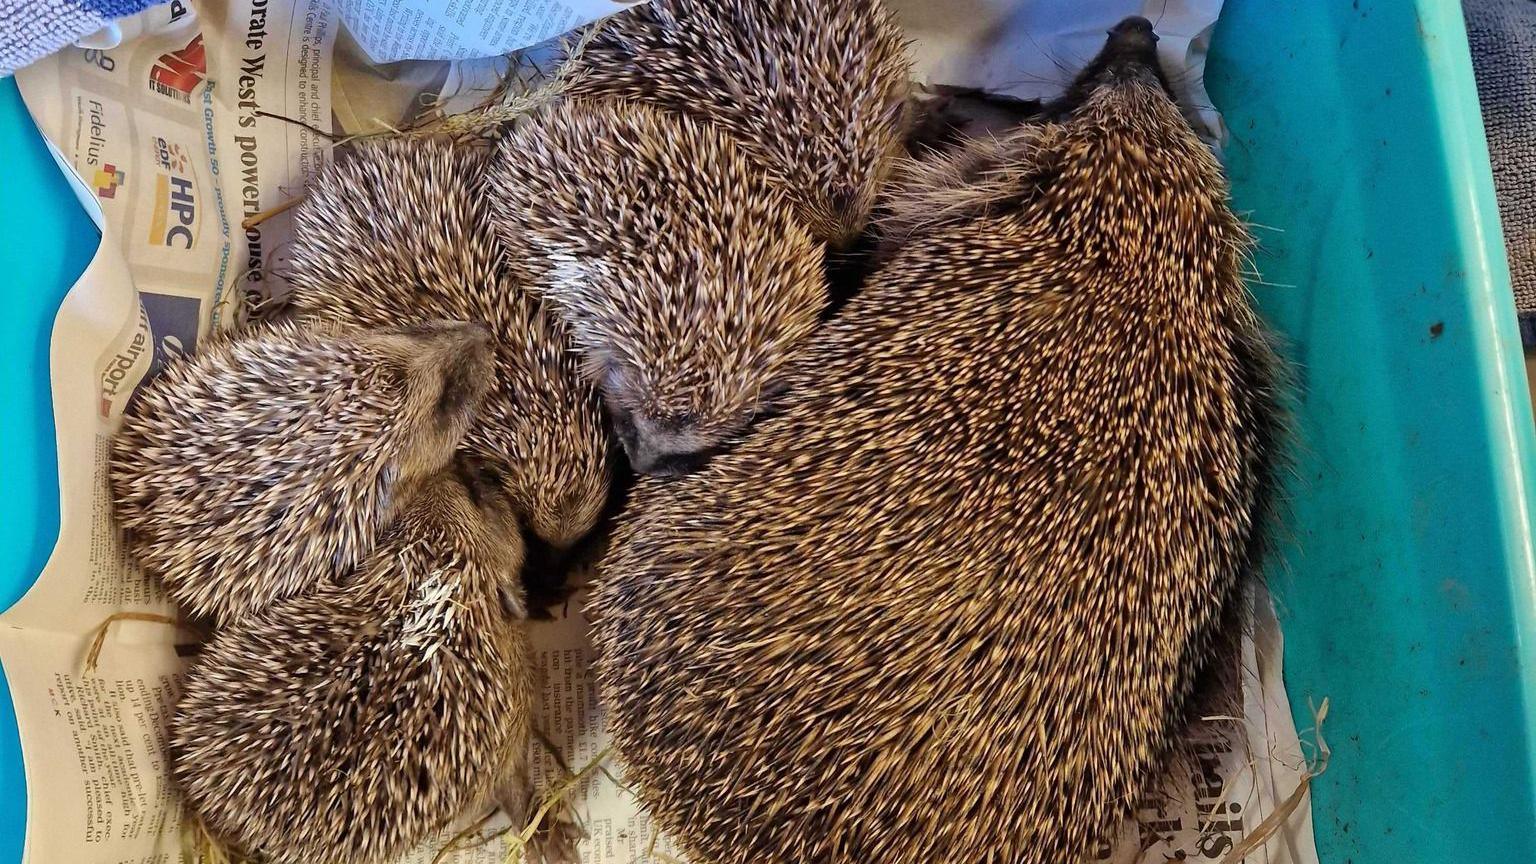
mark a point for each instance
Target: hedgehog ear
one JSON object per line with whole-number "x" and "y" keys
{"x": 775, "y": 390}
{"x": 617, "y": 379}
{"x": 463, "y": 385}
{"x": 452, "y": 364}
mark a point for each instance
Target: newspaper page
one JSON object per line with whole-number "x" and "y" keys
{"x": 178, "y": 135}
{"x": 464, "y": 29}
{"x": 167, "y": 143}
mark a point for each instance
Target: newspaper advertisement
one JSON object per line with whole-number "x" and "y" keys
{"x": 177, "y": 135}
{"x": 168, "y": 142}
{"x": 184, "y": 144}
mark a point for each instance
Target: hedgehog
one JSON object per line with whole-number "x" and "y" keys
{"x": 266, "y": 463}
{"x": 815, "y": 91}
{"x": 398, "y": 231}
{"x": 941, "y": 117}
{"x": 685, "y": 279}
{"x": 352, "y": 723}
{"x": 949, "y": 603}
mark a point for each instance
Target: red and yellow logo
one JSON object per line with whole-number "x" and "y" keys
{"x": 108, "y": 178}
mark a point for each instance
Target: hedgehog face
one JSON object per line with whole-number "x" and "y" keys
{"x": 1125, "y": 169}
{"x": 1129, "y": 55}
{"x": 671, "y": 424}
{"x": 657, "y": 441}
{"x": 661, "y": 446}
{"x": 484, "y": 486}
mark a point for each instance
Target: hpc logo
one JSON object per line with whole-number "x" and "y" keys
{"x": 173, "y": 222}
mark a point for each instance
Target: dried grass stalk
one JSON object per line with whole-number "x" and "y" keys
{"x": 199, "y": 847}
{"x": 519, "y": 841}
{"x": 93, "y": 654}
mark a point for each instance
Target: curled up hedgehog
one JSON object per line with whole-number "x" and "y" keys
{"x": 686, "y": 282}
{"x": 814, "y": 91}
{"x": 950, "y": 603}
{"x": 398, "y": 231}
{"x": 267, "y": 462}
{"x": 354, "y": 722}
{"x": 675, "y": 210}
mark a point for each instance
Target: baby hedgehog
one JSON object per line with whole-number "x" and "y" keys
{"x": 351, "y": 724}
{"x": 949, "y": 604}
{"x": 398, "y": 231}
{"x": 267, "y": 462}
{"x": 686, "y": 281}
{"x": 813, "y": 90}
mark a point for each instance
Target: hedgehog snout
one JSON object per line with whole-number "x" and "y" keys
{"x": 546, "y": 571}
{"x": 658, "y": 463}
{"x": 1129, "y": 56}
{"x": 1131, "y": 51}
{"x": 660, "y": 449}
{"x": 1134, "y": 33}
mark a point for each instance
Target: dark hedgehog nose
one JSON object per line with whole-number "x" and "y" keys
{"x": 667, "y": 464}
{"x": 1129, "y": 55}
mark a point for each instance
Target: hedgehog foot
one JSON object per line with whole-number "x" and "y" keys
{"x": 558, "y": 839}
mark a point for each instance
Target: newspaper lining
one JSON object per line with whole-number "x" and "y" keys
{"x": 464, "y": 30}
{"x": 168, "y": 141}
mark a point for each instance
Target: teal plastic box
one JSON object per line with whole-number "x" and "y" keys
{"x": 1406, "y": 593}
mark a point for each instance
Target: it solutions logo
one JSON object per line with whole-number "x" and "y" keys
{"x": 177, "y": 74}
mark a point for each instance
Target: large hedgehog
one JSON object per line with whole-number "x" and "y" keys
{"x": 950, "y": 604}
{"x": 266, "y": 463}
{"x": 350, "y": 724}
{"x": 398, "y": 231}
{"x": 685, "y": 279}
{"x": 813, "y": 90}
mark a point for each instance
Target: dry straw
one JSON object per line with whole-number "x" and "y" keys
{"x": 652, "y": 855}
{"x": 199, "y": 847}
{"x": 99, "y": 640}
{"x": 518, "y": 842}
{"x": 1276, "y": 820}
{"x": 454, "y": 845}
{"x": 457, "y": 844}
